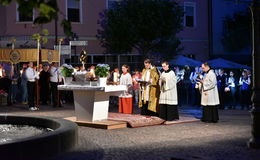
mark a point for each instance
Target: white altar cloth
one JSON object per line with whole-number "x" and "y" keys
{"x": 91, "y": 102}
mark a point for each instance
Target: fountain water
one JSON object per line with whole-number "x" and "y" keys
{"x": 30, "y": 138}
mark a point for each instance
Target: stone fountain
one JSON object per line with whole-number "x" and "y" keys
{"x": 56, "y": 136}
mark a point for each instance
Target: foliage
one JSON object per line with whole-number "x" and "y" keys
{"x": 67, "y": 70}
{"x": 48, "y": 10}
{"x": 41, "y": 36}
{"x": 141, "y": 25}
{"x": 237, "y": 34}
{"x": 67, "y": 28}
{"x": 170, "y": 48}
{"x": 102, "y": 70}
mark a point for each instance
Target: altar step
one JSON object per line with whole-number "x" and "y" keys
{"x": 104, "y": 124}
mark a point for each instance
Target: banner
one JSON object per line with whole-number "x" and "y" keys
{"x": 28, "y": 55}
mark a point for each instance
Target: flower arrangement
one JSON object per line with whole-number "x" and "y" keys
{"x": 3, "y": 93}
{"x": 102, "y": 70}
{"x": 67, "y": 70}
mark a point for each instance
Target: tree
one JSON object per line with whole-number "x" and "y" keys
{"x": 48, "y": 10}
{"x": 143, "y": 25}
{"x": 237, "y": 34}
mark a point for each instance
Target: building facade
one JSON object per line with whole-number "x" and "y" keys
{"x": 195, "y": 34}
{"x": 84, "y": 15}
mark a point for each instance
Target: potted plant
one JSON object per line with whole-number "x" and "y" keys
{"x": 102, "y": 71}
{"x": 66, "y": 72}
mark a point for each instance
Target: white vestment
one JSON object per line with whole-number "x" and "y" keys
{"x": 168, "y": 89}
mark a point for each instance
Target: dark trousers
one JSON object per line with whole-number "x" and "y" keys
{"x": 44, "y": 93}
{"x": 245, "y": 99}
{"x": 210, "y": 114}
{"x": 232, "y": 98}
{"x": 221, "y": 92}
{"x": 180, "y": 92}
{"x": 145, "y": 111}
{"x": 54, "y": 93}
{"x": 31, "y": 93}
{"x": 168, "y": 112}
{"x": 195, "y": 96}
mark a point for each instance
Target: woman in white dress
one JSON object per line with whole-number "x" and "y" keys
{"x": 168, "y": 97}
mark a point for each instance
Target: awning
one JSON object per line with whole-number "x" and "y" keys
{"x": 183, "y": 61}
{"x": 223, "y": 63}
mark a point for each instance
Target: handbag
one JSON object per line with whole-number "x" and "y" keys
{"x": 244, "y": 87}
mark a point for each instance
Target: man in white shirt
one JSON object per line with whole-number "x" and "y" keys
{"x": 54, "y": 81}
{"x": 31, "y": 75}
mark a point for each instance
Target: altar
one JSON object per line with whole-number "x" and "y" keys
{"x": 91, "y": 102}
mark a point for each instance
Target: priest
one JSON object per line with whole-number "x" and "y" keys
{"x": 209, "y": 95}
{"x": 150, "y": 90}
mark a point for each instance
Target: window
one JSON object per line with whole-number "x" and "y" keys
{"x": 111, "y": 3}
{"x": 189, "y": 14}
{"x": 23, "y": 18}
{"x": 74, "y": 10}
{"x": 99, "y": 59}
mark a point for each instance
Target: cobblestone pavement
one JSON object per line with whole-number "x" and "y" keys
{"x": 225, "y": 140}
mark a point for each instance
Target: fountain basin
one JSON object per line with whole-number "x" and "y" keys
{"x": 63, "y": 138}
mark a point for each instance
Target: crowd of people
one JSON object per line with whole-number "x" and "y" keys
{"x": 158, "y": 91}
{"x": 234, "y": 87}
{"x": 21, "y": 85}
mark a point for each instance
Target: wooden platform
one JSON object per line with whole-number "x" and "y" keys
{"x": 104, "y": 124}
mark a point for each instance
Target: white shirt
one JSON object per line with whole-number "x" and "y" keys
{"x": 54, "y": 74}
{"x": 126, "y": 79}
{"x": 31, "y": 74}
{"x": 116, "y": 77}
{"x": 1, "y": 72}
{"x": 231, "y": 82}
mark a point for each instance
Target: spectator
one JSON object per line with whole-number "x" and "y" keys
{"x": 221, "y": 78}
{"x": 44, "y": 83}
{"x": 55, "y": 78}
{"x": 137, "y": 76}
{"x": 24, "y": 84}
{"x": 31, "y": 75}
{"x": 195, "y": 94}
{"x": 231, "y": 84}
{"x": 245, "y": 83}
{"x": 116, "y": 76}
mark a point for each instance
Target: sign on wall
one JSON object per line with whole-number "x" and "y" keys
{"x": 65, "y": 49}
{"x": 78, "y": 43}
